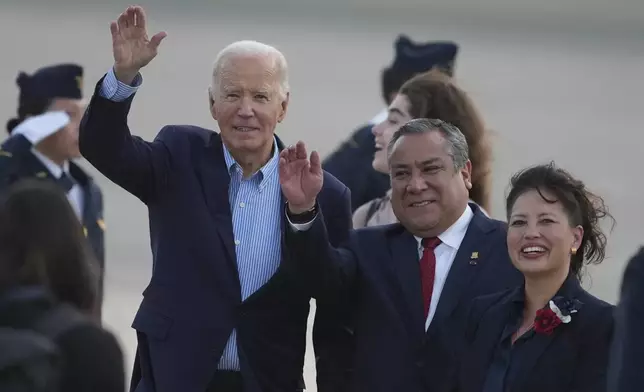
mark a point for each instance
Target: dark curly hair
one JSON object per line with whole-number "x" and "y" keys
{"x": 434, "y": 94}
{"x": 582, "y": 207}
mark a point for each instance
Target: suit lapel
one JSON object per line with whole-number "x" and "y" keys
{"x": 570, "y": 289}
{"x": 404, "y": 263}
{"x": 470, "y": 258}
{"x": 537, "y": 347}
{"x": 215, "y": 181}
{"x": 492, "y": 329}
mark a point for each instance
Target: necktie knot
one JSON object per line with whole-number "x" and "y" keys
{"x": 431, "y": 243}
{"x": 66, "y": 182}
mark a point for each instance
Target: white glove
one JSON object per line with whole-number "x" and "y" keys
{"x": 37, "y": 128}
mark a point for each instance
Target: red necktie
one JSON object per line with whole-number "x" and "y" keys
{"x": 428, "y": 270}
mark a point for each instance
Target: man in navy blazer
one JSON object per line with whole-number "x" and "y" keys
{"x": 219, "y": 313}
{"x": 407, "y": 281}
{"x": 625, "y": 368}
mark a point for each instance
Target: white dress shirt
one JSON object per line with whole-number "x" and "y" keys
{"x": 445, "y": 253}
{"x": 75, "y": 195}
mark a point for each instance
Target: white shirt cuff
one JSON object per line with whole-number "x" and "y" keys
{"x": 38, "y": 128}
{"x": 300, "y": 226}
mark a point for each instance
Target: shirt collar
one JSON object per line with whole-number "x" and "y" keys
{"x": 455, "y": 234}
{"x": 53, "y": 168}
{"x": 266, "y": 171}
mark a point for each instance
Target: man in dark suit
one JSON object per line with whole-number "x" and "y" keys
{"x": 625, "y": 368}
{"x": 219, "y": 313}
{"x": 43, "y": 143}
{"x": 351, "y": 162}
{"x": 409, "y": 280}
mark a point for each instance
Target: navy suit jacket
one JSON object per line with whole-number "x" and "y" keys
{"x": 573, "y": 359}
{"x": 333, "y": 340}
{"x": 625, "y": 371}
{"x": 193, "y": 301}
{"x": 17, "y": 162}
{"x": 378, "y": 272}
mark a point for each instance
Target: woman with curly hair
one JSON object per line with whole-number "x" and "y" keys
{"x": 548, "y": 334}
{"x": 431, "y": 95}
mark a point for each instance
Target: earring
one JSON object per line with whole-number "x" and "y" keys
{"x": 573, "y": 251}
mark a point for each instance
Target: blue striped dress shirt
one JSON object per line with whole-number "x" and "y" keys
{"x": 255, "y": 203}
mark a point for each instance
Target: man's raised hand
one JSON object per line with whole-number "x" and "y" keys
{"x": 131, "y": 46}
{"x": 301, "y": 178}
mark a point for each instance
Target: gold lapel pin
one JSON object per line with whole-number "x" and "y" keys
{"x": 5, "y": 154}
{"x": 473, "y": 257}
{"x": 41, "y": 174}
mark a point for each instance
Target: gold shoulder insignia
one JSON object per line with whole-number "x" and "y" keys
{"x": 4, "y": 153}
{"x": 85, "y": 231}
{"x": 101, "y": 224}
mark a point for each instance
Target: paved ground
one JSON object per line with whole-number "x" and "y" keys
{"x": 555, "y": 82}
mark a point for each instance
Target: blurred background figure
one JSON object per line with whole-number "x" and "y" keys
{"x": 45, "y": 147}
{"x": 430, "y": 95}
{"x": 625, "y": 374}
{"x": 351, "y": 163}
{"x": 48, "y": 282}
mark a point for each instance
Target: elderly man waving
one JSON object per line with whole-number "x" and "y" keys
{"x": 219, "y": 313}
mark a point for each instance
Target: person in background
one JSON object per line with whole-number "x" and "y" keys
{"x": 406, "y": 281}
{"x": 46, "y": 147}
{"x": 351, "y": 163}
{"x": 48, "y": 285}
{"x": 431, "y": 95}
{"x": 625, "y": 370}
{"x": 548, "y": 334}
{"x": 219, "y": 314}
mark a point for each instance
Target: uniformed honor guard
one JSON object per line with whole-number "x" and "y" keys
{"x": 43, "y": 142}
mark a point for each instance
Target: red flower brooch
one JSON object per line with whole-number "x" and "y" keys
{"x": 558, "y": 311}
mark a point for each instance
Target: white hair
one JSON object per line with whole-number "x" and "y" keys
{"x": 251, "y": 48}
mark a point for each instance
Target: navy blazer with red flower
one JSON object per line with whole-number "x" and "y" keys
{"x": 573, "y": 358}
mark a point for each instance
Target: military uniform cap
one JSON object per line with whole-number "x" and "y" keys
{"x": 421, "y": 57}
{"x": 412, "y": 58}
{"x": 55, "y": 81}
